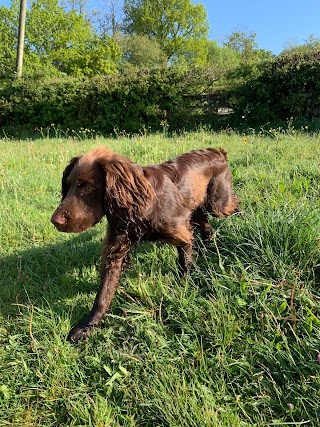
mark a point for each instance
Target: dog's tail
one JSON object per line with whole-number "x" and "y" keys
{"x": 225, "y": 155}
{"x": 221, "y": 151}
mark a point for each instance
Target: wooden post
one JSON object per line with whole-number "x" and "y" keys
{"x": 22, "y": 20}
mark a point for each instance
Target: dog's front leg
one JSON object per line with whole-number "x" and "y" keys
{"x": 115, "y": 251}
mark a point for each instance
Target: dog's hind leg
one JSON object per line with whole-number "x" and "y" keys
{"x": 220, "y": 198}
{"x": 182, "y": 237}
{"x": 200, "y": 221}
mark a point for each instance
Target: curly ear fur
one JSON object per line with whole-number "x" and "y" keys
{"x": 66, "y": 173}
{"x": 128, "y": 192}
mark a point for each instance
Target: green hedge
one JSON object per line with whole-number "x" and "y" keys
{"x": 131, "y": 101}
{"x": 289, "y": 86}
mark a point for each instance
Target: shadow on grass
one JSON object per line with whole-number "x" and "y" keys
{"x": 63, "y": 278}
{"x": 55, "y": 274}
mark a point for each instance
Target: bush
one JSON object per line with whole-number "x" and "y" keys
{"x": 131, "y": 101}
{"x": 289, "y": 86}
{"x": 175, "y": 98}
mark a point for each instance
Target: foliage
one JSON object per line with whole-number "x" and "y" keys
{"x": 60, "y": 38}
{"x": 243, "y": 43}
{"x": 160, "y": 57}
{"x": 141, "y": 51}
{"x": 249, "y": 61}
{"x": 132, "y": 101}
{"x": 66, "y": 39}
{"x": 8, "y": 31}
{"x": 56, "y": 41}
{"x": 108, "y": 18}
{"x": 223, "y": 58}
{"x": 235, "y": 343}
{"x": 311, "y": 44}
{"x": 96, "y": 55}
{"x": 179, "y": 26}
{"x": 139, "y": 99}
{"x": 288, "y": 86}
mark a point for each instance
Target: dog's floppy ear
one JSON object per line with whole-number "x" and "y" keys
{"x": 128, "y": 192}
{"x": 66, "y": 173}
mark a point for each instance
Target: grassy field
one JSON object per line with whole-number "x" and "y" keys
{"x": 235, "y": 343}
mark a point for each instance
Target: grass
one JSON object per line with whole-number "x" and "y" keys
{"x": 233, "y": 344}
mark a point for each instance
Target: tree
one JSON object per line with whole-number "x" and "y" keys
{"x": 80, "y": 6}
{"x": 222, "y": 59}
{"x": 241, "y": 42}
{"x": 179, "y": 26}
{"x": 312, "y": 43}
{"x": 246, "y": 45}
{"x": 67, "y": 40}
{"x": 223, "y": 55}
{"x": 8, "y": 31}
{"x": 56, "y": 41}
{"x": 251, "y": 59}
{"x": 93, "y": 56}
{"x": 141, "y": 51}
{"x": 108, "y": 18}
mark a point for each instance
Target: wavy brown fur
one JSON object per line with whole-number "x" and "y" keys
{"x": 157, "y": 202}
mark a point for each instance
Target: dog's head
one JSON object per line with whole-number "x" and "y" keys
{"x": 101, "y": 183}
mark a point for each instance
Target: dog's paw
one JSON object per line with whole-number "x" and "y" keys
{"x": 79, "y": 333}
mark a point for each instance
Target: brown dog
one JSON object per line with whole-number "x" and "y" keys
{"x": 157, "y": 202}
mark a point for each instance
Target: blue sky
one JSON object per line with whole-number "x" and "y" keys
{"x": 278, "y": 24}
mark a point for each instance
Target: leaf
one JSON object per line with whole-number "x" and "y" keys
{"x": 114, "y": 377}
{"x": 283, "y": 306}
{"x": 243, "y": 287}
{"x": 4, "y": 391}
{"x": 107, "y": 369}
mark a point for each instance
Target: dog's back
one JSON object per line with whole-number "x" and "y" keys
{"x": 201, "y": 178}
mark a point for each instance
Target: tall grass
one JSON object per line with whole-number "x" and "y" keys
{"x": 235, "y": 343}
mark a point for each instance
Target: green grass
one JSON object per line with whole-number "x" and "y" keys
{"x": 235, "y": 343}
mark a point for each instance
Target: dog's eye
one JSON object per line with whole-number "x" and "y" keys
{"x": 84, "y": 186}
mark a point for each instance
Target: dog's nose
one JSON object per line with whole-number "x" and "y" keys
{"x": 58, "y": 219}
